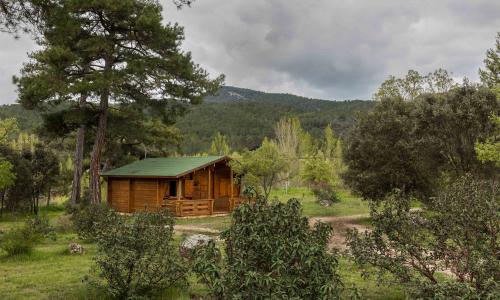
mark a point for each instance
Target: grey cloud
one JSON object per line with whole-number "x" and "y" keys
{"x": 324, "y": 48}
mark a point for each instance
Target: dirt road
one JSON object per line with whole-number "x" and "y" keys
{"x": 340, "y": 226}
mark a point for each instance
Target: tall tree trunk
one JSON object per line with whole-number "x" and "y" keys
{"x": 48, "y": 196}
{"x": 78, "y": 166}
{"x": 100, "y": 140}
{"x": 76, "y": 187}
{"x": 1, "y": 207}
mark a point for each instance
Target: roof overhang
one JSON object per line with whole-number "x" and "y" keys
{"x": 201, "y": 167}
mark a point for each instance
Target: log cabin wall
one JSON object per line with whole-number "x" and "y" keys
{"x": 119, "y": 194}
{"x": 134, "y": 194}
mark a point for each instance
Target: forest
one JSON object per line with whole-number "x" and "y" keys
{"x": 395, "y": 197}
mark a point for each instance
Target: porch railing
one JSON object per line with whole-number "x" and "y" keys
{"x": 199, "y": 207}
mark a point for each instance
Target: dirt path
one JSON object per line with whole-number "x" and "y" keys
{"x": 195, "y": 229}
{"x": 340, "y": 226}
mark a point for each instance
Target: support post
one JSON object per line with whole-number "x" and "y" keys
{"x": 158, "y": 193}
{"x": 210, "y": 187}
{"x": 179, "y": 188}
{"x": 130, "y": 196}
{"x": 231, "y": 187}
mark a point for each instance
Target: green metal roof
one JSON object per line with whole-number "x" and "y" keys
{"x": 163, "y": 167}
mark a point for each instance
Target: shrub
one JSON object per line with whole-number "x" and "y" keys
{"x": 458, "y": 232}
{"x": 18, "y": 241}
{"x": 324, "y": 192}
{"x": 64, "y": 224}
{"x": 87, "y": 219}
{"x": 40, "y": 226}
{"x": 22, "y": 240}
{"x": 271, "y": 252}
{"x": 135, "y": 256}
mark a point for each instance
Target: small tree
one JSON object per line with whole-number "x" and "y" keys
{"x": 220, "y": 145}
{"x": 136, "y": 257}
{"x": 7, "y": 179}
{"x": 261, "y": 168}
{"x": 489, "y": 151}
{"x": 458, "y": 233}
{"x": 319, "y": 174}
{"x": 288, "y": 133}
{"x": 44, "y": 172}
{"x": 271, "y": 253}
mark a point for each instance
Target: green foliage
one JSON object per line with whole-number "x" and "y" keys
{"x": 409, "y": 145}
{"x": 136, "y": 256}
{"x": 7, "y": 176}
{"x": 8, "y": 127}
{"x": 247, "y": 116}
{"x": 323, "y": 191}
{"x": 18, "y": 241}
{"x": 86, "y": 219}
{"x": 260, "y": 168}
{"x": 489, "y": 151}
{"x": 271, "y": 253}
{"x": 413, "y": 85}
{"x": 22, "y": 240}
{"x": 457, "y": 232}
{"x": 220, "y": 145}
{"x": 490, "y": 76}
{"x": 18, "y": 195}
{"x": 318, "y": 170}
{"x": 40, "y": 226}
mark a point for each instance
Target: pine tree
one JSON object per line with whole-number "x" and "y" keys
{"x": 114, "y": 52}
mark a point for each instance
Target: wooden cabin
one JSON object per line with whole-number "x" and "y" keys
{"x": 188, "y": 186}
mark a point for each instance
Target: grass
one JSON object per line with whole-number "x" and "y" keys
{"x": 347, "y": 206}
{"x": 51, "y": 273}
{"x": 213, "y": 222}
{"x": 369, "y": 288}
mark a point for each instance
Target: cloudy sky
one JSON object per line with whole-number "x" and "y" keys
{"x": 328, "y": 49}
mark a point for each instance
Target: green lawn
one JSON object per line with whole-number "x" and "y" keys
{"x": 348, "y": 205}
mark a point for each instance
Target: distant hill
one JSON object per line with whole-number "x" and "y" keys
{"x": 245, "y": 116}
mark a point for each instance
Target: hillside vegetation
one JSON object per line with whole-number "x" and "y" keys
{"x": 245, "y": 116}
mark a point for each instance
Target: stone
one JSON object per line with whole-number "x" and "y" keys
{"x": 190, "y": 243}
{"x": 325, "y": 203}
{"x": 75, "y": 248}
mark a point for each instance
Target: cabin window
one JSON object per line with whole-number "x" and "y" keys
{"x": 172, "y": 191}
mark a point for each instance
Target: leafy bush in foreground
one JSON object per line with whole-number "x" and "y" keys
{"x": 458, "y": 233}
{"x": 271, "y": 253}
{"x": 135, "y": 255}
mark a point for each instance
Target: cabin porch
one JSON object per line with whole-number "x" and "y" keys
{"x": 202, "y": 207}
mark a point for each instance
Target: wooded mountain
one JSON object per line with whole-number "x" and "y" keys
{"x": 245, "y": 116}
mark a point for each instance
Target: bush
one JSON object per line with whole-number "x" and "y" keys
{"x": 135, "y": 255}
{"x": 18, "y": 241}
{"x": 271, "y": 252}
{"x": 325, "y": 192}
{"x": 40, "y": 226}
{"x": 457, "y": 232}
{"x": 22, "y": 240}
{"x": 64, "y": 224}
{"x": 87, "y": 219}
